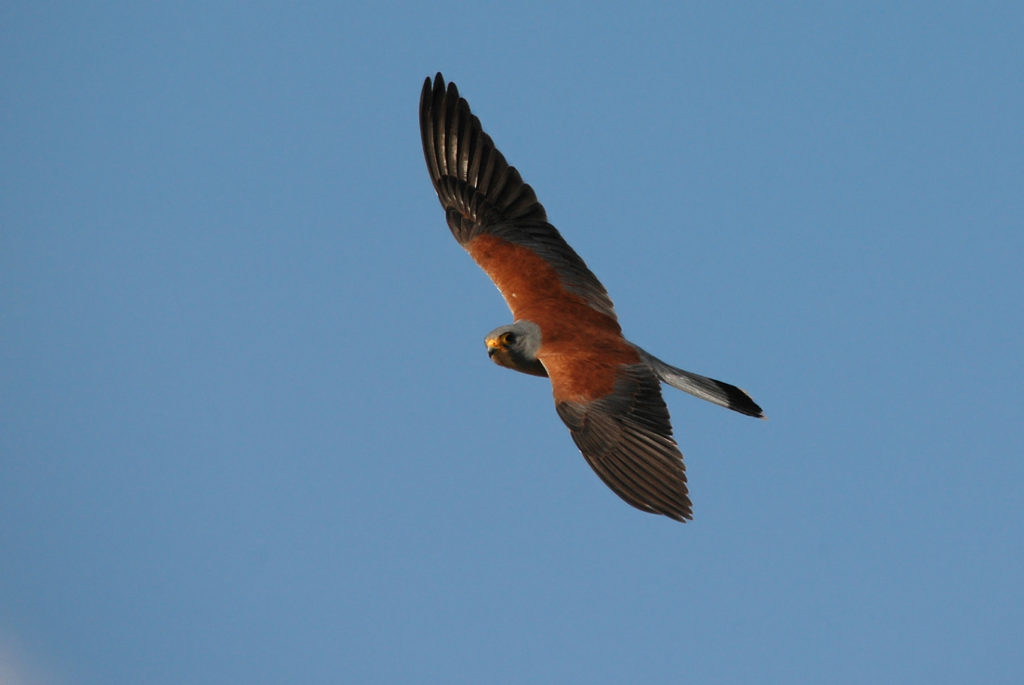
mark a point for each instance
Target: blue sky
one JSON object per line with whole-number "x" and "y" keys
{"x": 249, "y": 431}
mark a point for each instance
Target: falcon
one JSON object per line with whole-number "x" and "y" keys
{"x": 606, "y": 389}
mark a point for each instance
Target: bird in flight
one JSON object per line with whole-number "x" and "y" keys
{"x": 606, "y": 389}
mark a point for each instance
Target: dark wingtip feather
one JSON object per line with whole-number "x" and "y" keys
{"x": 740, "y": 401}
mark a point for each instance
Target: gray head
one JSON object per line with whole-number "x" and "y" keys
{"x": 515, "y": 346}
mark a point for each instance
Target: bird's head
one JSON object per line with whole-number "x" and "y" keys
{"x": 515, "y": 346}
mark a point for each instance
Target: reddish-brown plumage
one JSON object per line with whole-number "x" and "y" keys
{"x": 581, "y": 348}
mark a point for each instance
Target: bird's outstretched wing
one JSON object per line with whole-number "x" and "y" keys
{"x": 494, "y": 215}
{"x": 626, "y": 437}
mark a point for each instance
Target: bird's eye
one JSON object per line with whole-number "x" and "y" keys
{"x": 508, "y": 338}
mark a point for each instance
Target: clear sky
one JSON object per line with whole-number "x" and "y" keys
{"x": 249, "y": 432}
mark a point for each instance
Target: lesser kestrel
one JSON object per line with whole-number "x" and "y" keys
{"x": 606, "y": 389}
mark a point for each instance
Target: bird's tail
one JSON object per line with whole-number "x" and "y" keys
{"x": 724, "y": 394}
